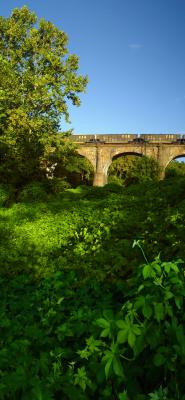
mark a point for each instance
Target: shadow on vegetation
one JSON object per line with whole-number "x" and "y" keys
{"x": 87, "y": 227}
{"x": 68, "y": 263}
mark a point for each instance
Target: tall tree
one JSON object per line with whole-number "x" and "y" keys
{"x": 37, "y": 78}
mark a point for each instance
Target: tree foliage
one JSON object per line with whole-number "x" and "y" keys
{"x": 77, "y": 170}
{"x": 175, "y": 169}
{"x": 133, "y": 169}
{"x": 37, "y": 79}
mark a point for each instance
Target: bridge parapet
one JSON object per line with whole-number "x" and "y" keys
{"x": 129, "y": 138}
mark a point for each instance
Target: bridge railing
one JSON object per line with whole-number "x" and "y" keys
{"x": 114, "y": 138}
{"x": 160, "y": 138}
{"x": 129, "y": 138}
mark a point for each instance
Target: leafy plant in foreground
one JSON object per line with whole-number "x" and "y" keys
{"x": 142, "y": 348}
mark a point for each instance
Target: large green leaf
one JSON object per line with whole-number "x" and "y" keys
{"x": 103, "y": 323}
{"x": 159, "y": 311}
{"x": 122, "y": 336}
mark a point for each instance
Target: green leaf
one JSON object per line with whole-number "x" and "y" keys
{"x": 122, "y": 324}
{"x": 60, "y": 300}
{"x": 174, "y": 267}
{"x": 136, "y": 329}
{"x": 147, "y": 311}
{"x": 140, "y": 288}
{"x": 159, "y": 359}
{"x": 179, "y": 301}
{"x": 40, "y": 394}
{"x": 131, "y": 339}
{"x": 167, "y": 267}
{"x": 81, "y": 378}
{"x": 181, "y": 338}
{"x": 105, "y": 332}
{"x": 93, "y": 344}
{"x": 169, "y": 294}
{"x": 122, "y": 336}
{"x": 117, "y": 367}
{"x": 123, "y": 396}
{"x": 107, "y": 367}
{"x": 139, "y": 302}
{"x": 103, "y": 323}
{"x": 148, "y": 271}
{"x": 157, "y": 267}
{"x": 159, "y": 311}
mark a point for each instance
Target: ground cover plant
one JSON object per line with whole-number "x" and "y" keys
{"x": 92, "y": 292}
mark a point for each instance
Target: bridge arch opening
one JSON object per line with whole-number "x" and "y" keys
{"x": 176, "y": 167}
{"x": 77, "y": 171}
{"x": 130, "y": 168}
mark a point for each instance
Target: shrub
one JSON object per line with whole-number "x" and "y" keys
{"x": 113, "y": 187}
{"x": 57, "y": 185}
{"x": 6, "y": 192}
{"x": 33, "y": 192}
{"x": 141, "y": 349}
{"x": 115, "y": 179}
{"x": 65, "y": 340}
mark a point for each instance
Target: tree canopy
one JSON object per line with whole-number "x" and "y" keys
{"x": 37, "y": 79}
{"x": 132, "y": 169}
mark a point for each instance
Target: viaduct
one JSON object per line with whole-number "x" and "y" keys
{"x": 100, "y": 150}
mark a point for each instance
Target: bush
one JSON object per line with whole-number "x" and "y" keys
{"x": 115, "y": 179}
{"x": 175, "y": 169}
{"x": 113, "y": 187}
{"x": 57, "y": 185}
{"x": 6, "y": 192}
{"x": 141, "y": 349}
{"x": 95, "y": 192}
{"x": 76, "y": 341}
{"x": 33, "y": 192}
{"x": 47, "y": 321}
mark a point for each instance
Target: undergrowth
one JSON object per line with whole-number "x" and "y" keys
{"x": 81, "y": 316}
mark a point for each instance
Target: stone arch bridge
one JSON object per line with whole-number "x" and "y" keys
{"x": 100, "y": 150}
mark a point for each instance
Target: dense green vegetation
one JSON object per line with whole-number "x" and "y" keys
{"x": 92, "y": 281}
{"x": 175, "y": 169}
{"x": 92, "y": 292}
{"x": 129, "y": 169}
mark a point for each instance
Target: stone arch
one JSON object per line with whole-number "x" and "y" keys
{"x": 82, "y": 171}
{"x": 118, "y": 154}
{"x": 138, "y": 167}
{"x": 126, "y": 153}
{"x": 175, "y": 156}
{"x": 88, "y": 156}
{"x": 173, "y": 170}
{"x": 121, "y": 155}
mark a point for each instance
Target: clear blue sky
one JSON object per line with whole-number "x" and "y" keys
{"x": 134, "y": 54}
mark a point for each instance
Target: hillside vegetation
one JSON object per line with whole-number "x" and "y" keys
{"x": 92, "y": 292}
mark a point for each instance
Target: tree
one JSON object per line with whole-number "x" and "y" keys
{"x": 37, "y": 78}
{"x": 76, "y": 169}
{"x": 175, "y": 169}
{"x": 133, "y": 169}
